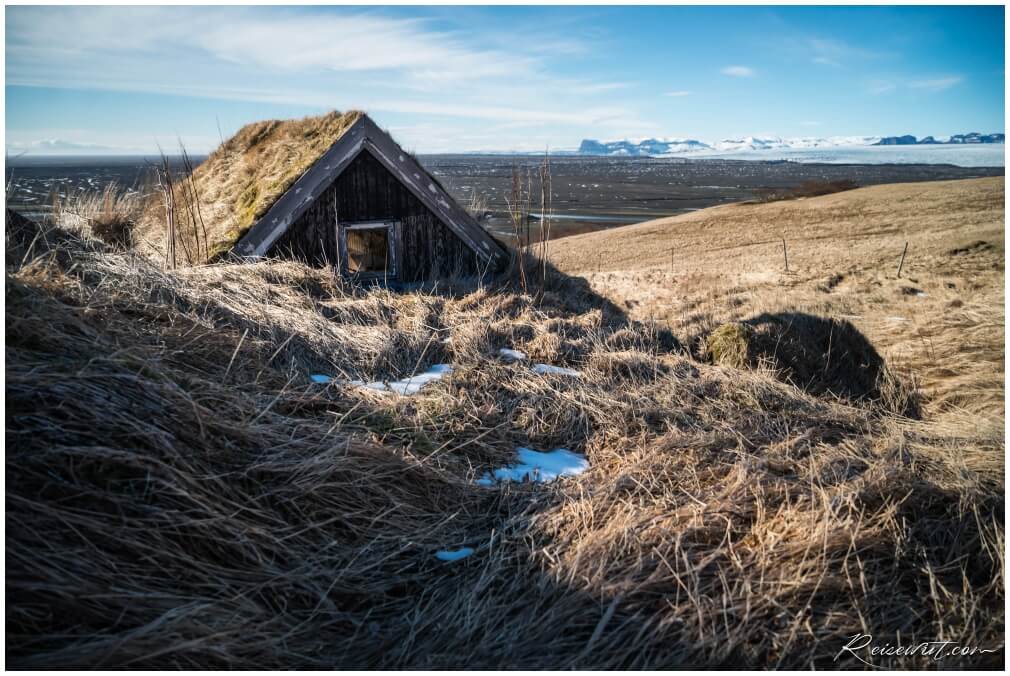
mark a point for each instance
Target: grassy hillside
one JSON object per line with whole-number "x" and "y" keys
{"x": 941, "y": 322}
{"x": 180, "y": 493}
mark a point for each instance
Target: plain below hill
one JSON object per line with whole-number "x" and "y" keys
{"x": 941, "y": 321}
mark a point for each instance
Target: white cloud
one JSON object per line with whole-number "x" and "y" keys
{"x": 355, "y": 43}
{"x": 334, "y": 58}
{"x": 881, "y": 87}
{"x": 833, "y": 52}
{"x": 596, "y": 88}
{"x": 59, "y": 145}
{"x": 738, "y": 71}
{"x": 679, "y": 93}
{"x": 937, "y": 84}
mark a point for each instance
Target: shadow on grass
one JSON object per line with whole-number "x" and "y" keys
{"x": 821, "y": 355}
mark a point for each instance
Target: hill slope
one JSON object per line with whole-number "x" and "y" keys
{"x": 942, "y": 321}
{"x": 180, "y": 492}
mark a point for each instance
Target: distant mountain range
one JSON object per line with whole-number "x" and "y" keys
{"x": 651, "y": 147}
{"x": 908, "y": 140}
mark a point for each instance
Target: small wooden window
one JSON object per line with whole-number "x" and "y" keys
{"x": 369, "y": 249}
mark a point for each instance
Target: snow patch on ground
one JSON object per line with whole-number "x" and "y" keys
{"x": 454, "y": 554}
{"x": 538, "y": 466}
{"x": 544, "y": 369}
{"x": 512, "y": 355}
{"x": 410, "y": 385}
{"x": 406, "y": 386}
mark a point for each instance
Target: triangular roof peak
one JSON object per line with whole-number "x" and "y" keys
{"x": 366, "y": 136}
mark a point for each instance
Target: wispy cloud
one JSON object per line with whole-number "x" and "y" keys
{"x": 825, "y": 61}
{"x": 936, "y": 84}
{"x": 322, "y": 58}
{"x": 51, "y": 145}
{"x": 738, "y": 71}
{"x": 881, "y": 87}
{"x": 598, "y": 87}
{"x": 679, "y": 93}
{"x": 939, "y": 84}
{"x": 836, "y": 53}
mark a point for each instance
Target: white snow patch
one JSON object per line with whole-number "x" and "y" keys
{"x": 544, "y": 369}
{"x": 512, "y": 355}
{"x": 410, "y": 385}
{"x": 454, "y": 554}
{"x": 538, "y": 466}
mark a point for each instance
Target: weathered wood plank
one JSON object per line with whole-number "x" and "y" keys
{"x": 366, "y": 191}
{"x": 412, "y": 185}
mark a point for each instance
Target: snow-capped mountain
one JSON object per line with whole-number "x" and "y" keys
{"x": 973, "y": 137}
{"x": 659, "y": 147}
{"x": 641, "y": 147}
{"x": 776, "y": 143}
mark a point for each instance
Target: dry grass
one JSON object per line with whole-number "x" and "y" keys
{"x": 242, "y": 178}
{"x": 179, "y": 494}
{"x": 110, "y": 215}
{"x": 805, "y": 189}
{"x": 941, "y": 323}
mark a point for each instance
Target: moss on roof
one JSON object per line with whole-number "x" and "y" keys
{"x": 242, "y": 178}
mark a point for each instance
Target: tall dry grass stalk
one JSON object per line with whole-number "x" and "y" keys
{"x": 477, "y": 205}
{"x": 531, "y": 257}
{"x": 183, "y": 216}
{"x": 180, "y": 495}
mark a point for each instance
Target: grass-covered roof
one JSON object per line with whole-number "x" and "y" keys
{"x": 240, "y": 180}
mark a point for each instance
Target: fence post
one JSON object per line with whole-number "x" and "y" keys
{"x": 902, "y": 261}
{"x": 785, "y": 254}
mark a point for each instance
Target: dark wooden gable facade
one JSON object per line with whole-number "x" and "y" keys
{"x": 367, "y": 208}
{"x": 367, "y": 195}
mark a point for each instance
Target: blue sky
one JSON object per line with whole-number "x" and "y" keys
{"x": 81, "y": 79}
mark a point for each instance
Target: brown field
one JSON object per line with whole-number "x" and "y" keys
{"x": 180, "y": 494}
{"x": 940, "y": 323}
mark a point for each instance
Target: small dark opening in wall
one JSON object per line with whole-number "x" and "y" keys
{"x": 368, "y": 250}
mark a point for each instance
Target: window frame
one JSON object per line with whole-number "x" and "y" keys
{"x": 392, "y": 270}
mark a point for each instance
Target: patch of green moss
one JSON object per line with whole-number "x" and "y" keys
{"x": 245, "y": 217}
{"x": 245, "y": 206}
{"x": 729, "y": 344}
{"x": 218, "y": 251}
{"x": 227, "y": 243}
{"x": 281, "y": 184}
{"x": 248, "y": 196}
